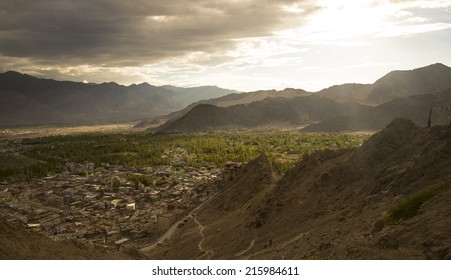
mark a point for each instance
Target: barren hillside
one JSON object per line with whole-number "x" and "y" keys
{"x": 19, "y": 244}
{"x": 388, "y": 199}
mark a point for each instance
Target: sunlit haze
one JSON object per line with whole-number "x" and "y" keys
{"x": 242, "y": 45}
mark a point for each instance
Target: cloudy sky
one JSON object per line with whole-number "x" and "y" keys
{"x": 239, "y": 44}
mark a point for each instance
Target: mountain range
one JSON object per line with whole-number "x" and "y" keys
{"x": 349, "y": 107}
{"x": 29, "y": 100}
{"x": 270, "y": 111}
{"x": 415, "y": 108}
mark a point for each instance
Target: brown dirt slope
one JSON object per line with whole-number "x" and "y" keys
{"x": 340, "y": 200}
{"x": 19, "y": 244}
{"x": 227, "y": 224}
{"x": 337, "y": 204}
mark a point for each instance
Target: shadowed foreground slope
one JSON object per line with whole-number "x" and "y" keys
{"x": 19, "y": 244}
{"x": 347, "y": 204}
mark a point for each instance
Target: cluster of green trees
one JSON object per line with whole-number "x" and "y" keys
{"x": 39, "y": 169}
{"x": 142, "y": 149}
{"x": 136, "y": 179}
{"x": 9, "y": 172}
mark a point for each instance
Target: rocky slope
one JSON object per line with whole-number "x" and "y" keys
{"x": 226, "y": 224}
{"x": 19, "y": 244}
{"x": 334, "y": 205}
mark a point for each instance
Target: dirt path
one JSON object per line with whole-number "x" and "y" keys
{"x": 247, "y": 249}
{"x": 170, "y": 232}
{"x": 166, "y": 236}
{"x": 200, "y": 245}
{"x": 273, "y": 248}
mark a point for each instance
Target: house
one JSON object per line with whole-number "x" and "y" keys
{"x": 230, "y": 171}
{"x": 40, "y": 212}
{"x": 50, "y": 222}
{"x": 88, "y": 196}
{"x": 5, "y": 196}
{"x": 113, "y": 234}
{"x": 121, "y": 242}
{"x": 115, "y": 203}
{"x": 20, "y": 218}
{"x": 54, "y": 200}
{"x": 34, "y": 227}
{"x": 90, "y": 166}
{"x": 58, "y": 231}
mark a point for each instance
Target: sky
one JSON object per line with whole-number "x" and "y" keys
{"x": 244, "y": 45}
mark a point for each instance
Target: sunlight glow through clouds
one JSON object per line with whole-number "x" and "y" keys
{"x": 347, "y": 20}
{"x": 346, "y": 24}
{"x": 311, "y": 44}
{"x": 353, "y": 24}
{"x": 339, "y": 26}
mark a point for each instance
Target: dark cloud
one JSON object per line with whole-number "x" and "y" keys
{"x": 133, "y": 33}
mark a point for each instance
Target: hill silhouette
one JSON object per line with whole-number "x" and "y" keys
{"x": 230, "y": 100}
{"x": 431, "y": 79}
{"x": 345, "y": 107}
{"x": 292, "y": 111}
{"x": 415, "y": 107}
{"x": 29, "y": 100}
{"x": 334, "y": 205}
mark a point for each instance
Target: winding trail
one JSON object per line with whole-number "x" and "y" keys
{"x": 145, "y": 250}
{"x": 200, "y": 245}
{"x": 274, "y": 248}
{"x": 247, "y": 249}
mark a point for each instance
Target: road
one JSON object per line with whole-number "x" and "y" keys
{"x": 170, "y": 232}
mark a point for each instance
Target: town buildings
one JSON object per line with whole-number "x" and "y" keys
{"x": 107, "y": 206}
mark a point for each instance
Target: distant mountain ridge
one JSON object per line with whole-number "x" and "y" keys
{"x": 30, "y": 100}
{"x": 240, "y": 98}
{"x": 430, "y": 79}
{"x": 415, "y": 107}
{"x": 349, "y": 106}
{"x": 270, "y": 111}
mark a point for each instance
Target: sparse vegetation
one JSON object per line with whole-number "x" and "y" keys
{"x": 409, "y": 207}
{"x": 9, "y": 172}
